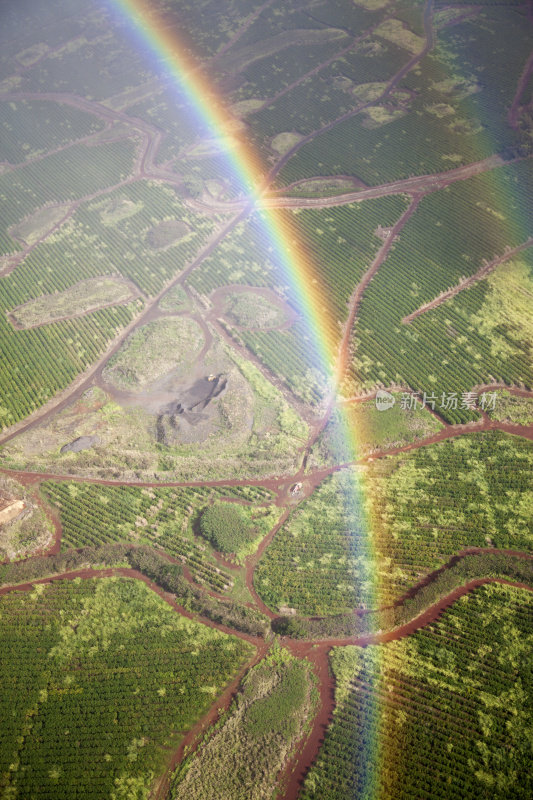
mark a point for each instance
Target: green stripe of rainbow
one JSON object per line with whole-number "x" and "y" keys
{"x": 297, "y": 263}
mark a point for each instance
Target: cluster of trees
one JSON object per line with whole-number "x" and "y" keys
{"x": 227, "y": 527}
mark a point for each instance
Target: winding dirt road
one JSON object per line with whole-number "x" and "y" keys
{"x": 316, "y": 651}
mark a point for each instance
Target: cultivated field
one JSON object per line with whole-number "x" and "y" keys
{"x": 266, "y": 399}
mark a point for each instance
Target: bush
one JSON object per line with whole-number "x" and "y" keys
{"x": 227, "y": 526}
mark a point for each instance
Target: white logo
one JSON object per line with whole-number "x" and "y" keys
{"x": 384, "y": 400}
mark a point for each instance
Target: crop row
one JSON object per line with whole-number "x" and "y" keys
{"x": 93, "y": 515}
{"x": 351, "y": 545}
{"x": 441, "y": 714}
{"x": 123, "y": 677}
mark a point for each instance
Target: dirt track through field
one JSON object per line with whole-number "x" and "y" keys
{"x": 299, "y": 766}
{"x": 316, "y": 651}
{"x": 527, "y": 72}
{"x": 485, "y": 270}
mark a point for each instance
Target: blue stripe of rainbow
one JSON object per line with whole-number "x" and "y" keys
{"x": 169, "y": 46}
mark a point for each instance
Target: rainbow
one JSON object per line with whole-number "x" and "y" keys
{"x": 170, "y": 48}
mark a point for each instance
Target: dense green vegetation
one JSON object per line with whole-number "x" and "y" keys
{"x": 427, "y": 505}
{"x": 92, "y": 515}
{"x": 460, "y": 571}
{"x": 154, "y": 565}
{"x": 99, "y": 678}
{"x": 441, "y": 714}
{"x": 258, "y": 732}
{"x": 226, "y": 526}
{"x": 319, "y": 561}
{"x": 466, "y": 340}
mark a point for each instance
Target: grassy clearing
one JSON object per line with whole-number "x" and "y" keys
{"x": 167, "y": 233}
{"x": 102, "y": 655}
{"x": 244, "y": 754}
{"x": 283, "y": 142}
{"x": 372, "y": 5}
{"x": 27, "y": 532}
{"x": 513, "y": 409}
{"x": 80, "y": 299}
{"x": 252, "y": 310}
{"x": 395, "y": 31}
{"x": 323, "y": 187}
{"x": 153, "y": 351}
{"x": 245, "y": 107}
{"x": 376, "y": 116}
{"x": 31, "y": 229}
{"x": 117, "y": 208}
{"x": 368, "y": 92}
{"x": 236, "y": 529}
{"x": 32, "y": 54}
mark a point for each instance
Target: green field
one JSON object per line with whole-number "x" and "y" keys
{"x": 319, "y": 562}
{"x": 165, "y": 518}
{"x": 259, "y": 731}
{"x": 101, "y": 673}
{"x": 443, "y": 713}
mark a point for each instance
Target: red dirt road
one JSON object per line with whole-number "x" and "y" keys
{"x": 299, "y": 766}
{"x": 478, "y": 276}
{"x": 514, "y": 110}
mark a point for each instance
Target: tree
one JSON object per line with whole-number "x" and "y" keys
{"x": 227, "y": 526}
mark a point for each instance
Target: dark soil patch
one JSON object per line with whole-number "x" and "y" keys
{"x": 79, "y": 444}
